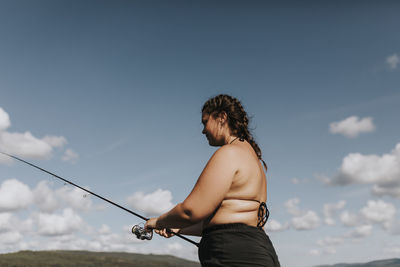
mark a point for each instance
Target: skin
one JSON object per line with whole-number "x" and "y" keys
{"x": 226, "y": 189}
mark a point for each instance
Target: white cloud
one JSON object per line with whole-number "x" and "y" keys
{"x": 53, "y": 224}
{"x": 329, "y": 250}
{"x": 104, "y": 229}
{"x": 75, "y": 198}
{"x": 55, "y": 141}
{"x": 350, "y": 219}
{"x": 70, "y": 156}
{"x": 5, "y": 159}
{"x": 330, "y": 210}
{"x": 326, "y": 250}
{"x": 14, "y": 195}
{"x": 352, "y": 126}
{"x": 63, "y": 242}
{"x": 361, "y": 228}
{"x": 295, "y": 180}
{"x": 5, "y": 222}
{"x": 328, "y": 244}
{"x": 24, "y": 226}
{"x": 13, "y": 230}
{"x": 330, "y": 241}
{"x": 388, "y": 189}
{"x": 25, "y": 144}
{"x": 314, "y": 252}
{"x": 176, "y": 247}
{"x": 153, "y": 204}
{"x": 10, "y": 237}
{"x": 374, "y": 212}
{"x": 308, "y": 221}
{"x": 360, "y": 232}
{"x": 392, "y": 227}
{"x": 4, "y": 120}
{"x": 275, "y": 226}
{"x": 110, "y": 241}
{"x": 302, "y": 220}
{"x": 378, "y": 211}
{"x": 392, "y": 251}
{"x": 358, "y": 168}
{"x": 45, "y": 198}
{"x": 49, "y": 200}
{"x": 382, "y": 171}
{"x": 392, "y": 61}
{"x": 292, "y": 206}
{"x": 10, "y": 222}
{"x": 179, "y": 250}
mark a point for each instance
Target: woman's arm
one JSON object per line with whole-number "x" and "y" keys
{"x": 175, "y": 218}
{"x": 194, "y": 230}
{"x": 208, "y": 193}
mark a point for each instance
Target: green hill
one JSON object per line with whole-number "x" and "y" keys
{"x": 60, "y": 258}
{"x": 379, "y": 263}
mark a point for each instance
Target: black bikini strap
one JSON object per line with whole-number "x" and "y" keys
{"x": 263, "y": 214}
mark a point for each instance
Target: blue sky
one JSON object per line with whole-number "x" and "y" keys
{"x": 109, "y": 93}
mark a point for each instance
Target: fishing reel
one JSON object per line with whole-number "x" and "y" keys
{"x": 142, "y": 233}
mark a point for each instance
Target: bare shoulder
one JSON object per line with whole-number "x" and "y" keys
{"x": 229, "y": 152}
{"x": 228, "y": 157}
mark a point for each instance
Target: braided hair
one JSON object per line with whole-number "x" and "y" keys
{"x": 237, "y": 118}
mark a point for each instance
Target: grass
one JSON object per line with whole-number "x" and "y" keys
{"x": 60, "y": 258}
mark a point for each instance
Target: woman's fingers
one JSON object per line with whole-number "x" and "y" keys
{"x": 172, "y": 232}
{"x": 159, "y": 232}
{"x": 175, "y": 231}
{"x": 164, "y": 232}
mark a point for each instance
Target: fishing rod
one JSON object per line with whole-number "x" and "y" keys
{"x": 139, "y": 231}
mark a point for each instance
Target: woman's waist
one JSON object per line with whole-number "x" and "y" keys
{"x": 230, "y": 227}
{"x": 227, "y": 215}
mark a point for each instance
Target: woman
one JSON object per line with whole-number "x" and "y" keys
{"x": 227, "y": 205}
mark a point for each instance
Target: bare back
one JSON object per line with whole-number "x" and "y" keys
{"x": 248, "y": 188}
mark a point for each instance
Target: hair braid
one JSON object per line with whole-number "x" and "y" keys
{"x": 237, "y": 118}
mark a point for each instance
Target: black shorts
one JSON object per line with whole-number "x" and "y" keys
{"x": 236, "y": 244}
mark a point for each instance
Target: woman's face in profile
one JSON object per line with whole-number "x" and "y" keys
{"x": 210, "y": 129}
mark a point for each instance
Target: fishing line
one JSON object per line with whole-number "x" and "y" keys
{"x": 135, "y": 230}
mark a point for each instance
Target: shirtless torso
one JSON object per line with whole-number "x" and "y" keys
{"x": 232, "y": 188}
{"x": 248, "y": 189}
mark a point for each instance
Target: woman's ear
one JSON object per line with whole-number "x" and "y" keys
{"x": 222, "y": 117}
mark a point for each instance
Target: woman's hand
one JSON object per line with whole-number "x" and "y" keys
{"x": 166, "y": 233}
{"x": 151, "y": 224}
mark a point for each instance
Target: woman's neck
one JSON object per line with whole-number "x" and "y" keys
{"x": 230, "y": 139}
